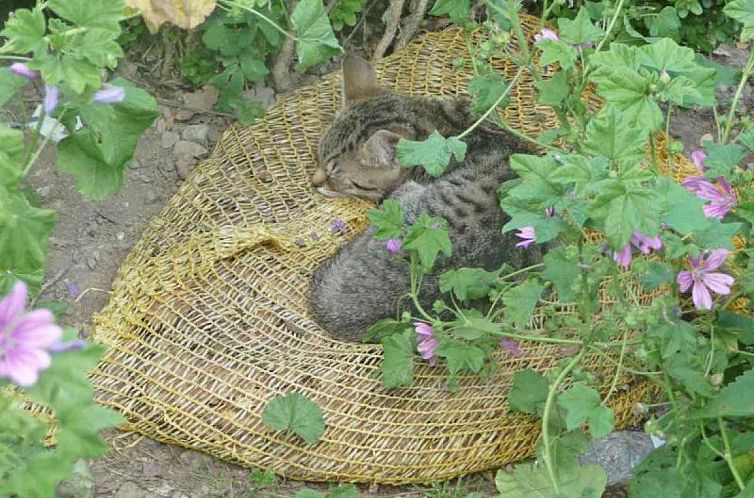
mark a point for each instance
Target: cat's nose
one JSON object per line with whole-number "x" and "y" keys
{"x": 319, "y": 178}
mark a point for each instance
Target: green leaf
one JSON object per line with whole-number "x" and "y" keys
{"x": 308, "y": 493}
{"x": 536, "y": 185}
{"x": 666, "y": 24}
{"x": 388, "y": 220}
{"x": 722, "y": 158}
{"x": 529, "y": 391}
{"x": 656, "y": 274}
{"x": 556, "y": 51}
{"x": 99, "y": 47}
{"x": 530, "y": 481}
{"x": 11, "y": 156}
{"x": 502, "y": 12}
{"x": 630, "y": 92}
{"x": 734, "y": 400}
{"x": 428, "y": 237}
{"x": 24, "y": 231}
{"x": 468, "y": 283}
{"x": 25, "y": 30}
{"x": 629, "y": 211}
{"x": 105, "y": 15}
{"x": 460, "y": 356}
{"x": 398, "y": 361}
{"x": 743, "y": 12}
{"x": 472, "y": 327}
{"x": 434, "y": 153}
{"x": 457, "y": 10}
{"x": 487, "y": 89}
{"x": 97, "y": 155}
{"x": 704, "y": 80}
{"x": 8, "y": 277}
{"x": 585, "y": 173}
{"x": 521, "y": 300}
{"x": 562, "y": 271}
{"x": 612, "y": 135}
{"x": 262, "y": 478}
{"x": 619, "y": 56}
{"x": 582, "y": 404}
{"x": 579, "y": 30}
{"x": 384, "y": 328}
{"x": 552, "y": 91}
{"x": 684, "y": 210}
{"x": 674, "y": 337}
{"x": 717, "y": 234}
{"x": 315, "y": 40}
{"x": 692, "y": 379}
{"x": 9, "y": 84}
{"x": 297, "y": 413}
{"x": 254, "y": 68}
{"x": 344, "y": 491}
{"x": 667, "y": 55}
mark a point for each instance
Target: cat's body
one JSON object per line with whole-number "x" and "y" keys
{"x": 363, "y": 282}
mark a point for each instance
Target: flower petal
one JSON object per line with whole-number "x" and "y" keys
{"x": 424, "y": 330}
{"x": 715, "y": 259}
{"x": 13, "y": 304}
{"x": 32, "y": 332}
{"x": 623, "y": 257}
{"x": 701, "y": 296}
{"x": 21, "y": 365}
{"x": 718, "y": 282}
{"x": 685, "y": 279}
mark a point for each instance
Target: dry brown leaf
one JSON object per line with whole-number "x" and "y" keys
{"x": 186, "y": 14}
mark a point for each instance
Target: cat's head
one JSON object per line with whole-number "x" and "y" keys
{"x": 357, "y": 154}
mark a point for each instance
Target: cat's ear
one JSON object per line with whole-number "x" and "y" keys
{"x": 359, "y": 80}
{"x": 381, "y": 146}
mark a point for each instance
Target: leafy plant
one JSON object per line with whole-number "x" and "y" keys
{"x": 608, "y": 206}
{"x": 295, "y": 412}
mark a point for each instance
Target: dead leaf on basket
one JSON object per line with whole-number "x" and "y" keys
{"x": 186, "y": 14}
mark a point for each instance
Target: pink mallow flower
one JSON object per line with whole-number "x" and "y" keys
{"x": 393, "y": 246}
{"x": 704, "y": 281}
{"x": 545, "y": 34}
{"x": 698, "y": 156}
{"x": 527, "y": 236}
{"x": 721, "y": 196}
{"x": 426, "y": 342}
{"x": 110, "y": 95}
{"x": 511, "y": 346}
{"x": 52, "y": 93}
{"x": 21, "y": 69}
{"x": 640, "y": 241}
{"x": 25, "y": 338}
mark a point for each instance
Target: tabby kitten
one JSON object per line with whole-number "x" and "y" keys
{"x": 362, "y": 283}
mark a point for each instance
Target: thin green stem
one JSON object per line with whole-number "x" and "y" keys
{"x": 415, "y": 290}
{"x": 549, "y": 402}
{"x": 728, "y": 454}
{"x": 611, "y": 25}
{"x": 14, "y": 58}
{"x": 523, "y": 136}
{"x": 225, "y": 3}
{"x": 708, "y": 443}
{"x": 493, "y": 107}
{"x": 747, "y": 72}
{"x": 627, "y": 369}
{"x": 667, "y": 122}
{"x": 618, "y": 370}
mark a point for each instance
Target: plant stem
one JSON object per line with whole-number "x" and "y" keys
{"x": 728, "y": 455}
{"x": 618, "y": 370}
{"x": 546, "y": 418}
{"x": 493, "y": 106}
{"x": 225, "y": 3}
{"x": 414, "y": 290}
{"x": 14, "y": 58}
{"x": 747, "y": 72}
{"x": 611, "y": 25}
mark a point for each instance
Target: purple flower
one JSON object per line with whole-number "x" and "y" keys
{"x": 393, "y": 246}
{"x": 545, "y": 34}
{"x": 72, "y": 289}
{"x": 436, "y": 226}
{"x": 550, "y": 212}
{"x": 703, "y": 280}
{"x": 24, "y": 338}
{"x": 426, "y": 342}
{"x": 338, "y": 226}
{"x": 51, "y": 98}
{"x": 584, "y": 45}
{"x": 640, "y": 241}
{"x": 64, "y": 347}
{"x": 511, "y": 346}
{"x": 110, "y": 95}
{"x": 698, "y": 156}
{"x": 22, "y": 69}
{"x": 722, "y": 198}
{"x": 527, "y": 236}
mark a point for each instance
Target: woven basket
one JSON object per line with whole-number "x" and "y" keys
{"x": 208, "y": 317}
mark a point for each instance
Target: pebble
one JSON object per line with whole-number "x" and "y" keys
{"x": 263, "y": 94}
{"x": 44, "y": 191}
{"x": 190, "y": 149}
{"x": 184, "y": 166}
{"x": 618, "y": 453}
{"x": 120, "y": 236}
{"x": 169, "y": 139}
{"x": 198, "y": 133}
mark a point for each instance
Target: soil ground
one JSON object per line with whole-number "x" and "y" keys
{"x": 90, "y": 242}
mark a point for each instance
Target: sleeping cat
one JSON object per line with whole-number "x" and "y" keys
{"x": 363, "y": 282}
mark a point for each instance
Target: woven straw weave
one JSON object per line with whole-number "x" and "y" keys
{"x": 208, "y": 317}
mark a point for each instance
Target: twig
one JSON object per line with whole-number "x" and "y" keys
{"x": 411, "y": 24}
{"x": 281, "y": 74}
{"x": 178, "y": 105}
{"x": 49, "y": 284}
{"x": 392, "y": 18}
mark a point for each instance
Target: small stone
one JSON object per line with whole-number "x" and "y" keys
{"x": 184, "y": 166}
{"x": 169, "y": 139}
{"x": 707, "y": 137}
{"x": 618, "y": 453}
{"x": 151, "y": 197}
{"x": 91, "y": 263}
{"x": 130, "y": 490}
{"x": 196, "y": 133}
{"x": 151, "y": 469}
{"x": 160, "y": 126}
{"x": 120, "y": 236}
{"x": 190, "y": 149}
{"x": 95, "y": 255}
{"x": 44, "y": 191}
{"x": 195, "y": 459}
